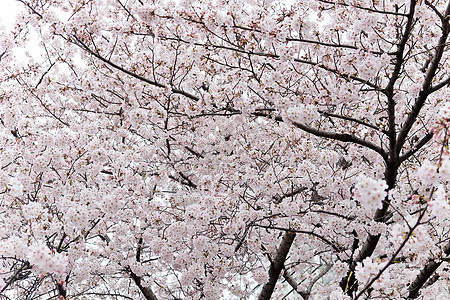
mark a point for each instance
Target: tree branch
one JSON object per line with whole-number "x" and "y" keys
{"x": 343, "y": 137}
{"x": 277, "y": 265}
{"x": 335, "y": 247}
{"x": 174, "y": 90}
{"x": 393, "y": 145}
{"x": 425, "y": 274}
{"x": 294, "y": 285}
{"x": 146, "y": 291}
{"x": 417, "y": 147}
{"x": 25, "y": 266}
{"x": 340, "y": 46}
{"x": 328, "y": 114}
{"x": 426, "y": 86}
{"x": 278, "y": 199}
{"x": 307, "y": 292}
{"x": 440, "y": 85}
{"x": 384, "y": 12}
{"x": 393, "y": 257}
{"x": 339, "y": 74}
{"x": 185, "y": 180}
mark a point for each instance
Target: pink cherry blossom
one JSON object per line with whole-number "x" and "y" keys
{"x": 225, "y": 150}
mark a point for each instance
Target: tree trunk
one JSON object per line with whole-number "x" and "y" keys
{"x": 277, "y": 265}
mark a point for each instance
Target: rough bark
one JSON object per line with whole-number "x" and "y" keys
{"x": 425, "y": 274}
{"x": 277, "y": 265}
{"x": 146, "y": 291}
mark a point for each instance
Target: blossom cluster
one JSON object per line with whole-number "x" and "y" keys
{"x": 183, "y": 141}
{"x": 303, "y": 113}
{"x": 366, "y": 269}
{"x": 370, "y": 192}
{"x": 46, "y": 260}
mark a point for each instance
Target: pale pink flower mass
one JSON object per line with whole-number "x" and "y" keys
{"x": 224, "y": 149}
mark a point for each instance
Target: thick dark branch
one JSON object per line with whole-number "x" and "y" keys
{"x": 434, "y": 8}
{"x": 279, "y": 199}
{"x": 417, "y": 147}
{"x": 174, "y": 90}
{"x": 199, "y": 155}
{"x": 440, "y": 85}
{"x": 340, "y": 74}
{"x": 3, "y": 54}
{"x": 335, "y": 247}
{"x": 343, "y": 137}
{"x": 146, "y": 291}
{"x": 184, "y": 93}
{"x": 426, "y": 86}
{"x": 328, "y": 114}
{"x": 62, "y": 292}
{"x": 396, "y": 143}
{"x": 349, "y": 283}
{"x": 294, "y": 285}
{"x": 30, "y": 7}
{"x": 102, "y": 295}
{"x": 393, "y": 257}
{"x": 425, "y": 274}
{"x": 313, "y": 281}
{"x": 139, "y": 249}
{"x": 83, "y": 46}
{"x": 185, "y": 180}
{"x": 399, "y": 59}
{"x": 277, "y": 265}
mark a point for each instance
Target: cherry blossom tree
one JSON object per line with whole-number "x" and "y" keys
{"x": 225, "y": 149}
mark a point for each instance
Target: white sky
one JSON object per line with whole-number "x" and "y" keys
{"x": 8, "y": 12}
